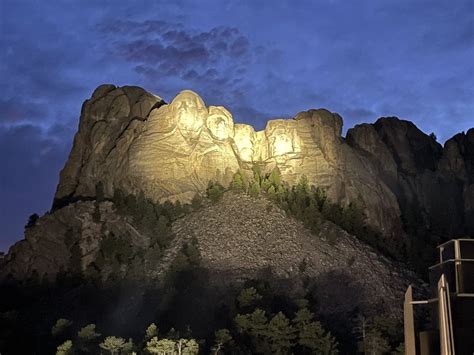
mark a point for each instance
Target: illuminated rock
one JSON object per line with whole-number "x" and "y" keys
{"x": 180, "y": 148}
{"x": 131, "y": 140}
{"x": 189, "y": 112}
{"x": 244, "y": 140}
{"x": 220, "y": 123}
{"x": 282, "y": 137}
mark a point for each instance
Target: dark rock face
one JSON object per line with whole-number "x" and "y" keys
{"x": 434, "y": 182}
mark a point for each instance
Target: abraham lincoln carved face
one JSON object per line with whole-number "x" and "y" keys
{"x": 282, "y": 138}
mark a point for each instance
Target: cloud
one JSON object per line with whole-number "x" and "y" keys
{"x": 212, "y": 62}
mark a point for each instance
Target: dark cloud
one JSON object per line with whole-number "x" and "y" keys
{"x": 160, "y": 49}
{"x": 211, "y": 62}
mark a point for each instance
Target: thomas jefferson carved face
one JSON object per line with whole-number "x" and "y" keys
{"x": 189, "y": 111}
{"x": 220, "y": 123}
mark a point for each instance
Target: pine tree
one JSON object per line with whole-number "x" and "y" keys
{"x": 128, "y": 347}
{"x": 281, "y": 193}
{"x": 162, "y": 232}
{"x": 113, "y": 344}
{"x": 272, "y": 192}
{"x": 237, "y": 183}
{"x": 353, "y": 218}
{"x": 151, "y": 331}
{"x": 65, "y": 348}
{"x": 281, "y": 334}
{"x": 215, "y": 191}
{"x": 256, "y": 326}
{"x": 320, "y": 197}
{"x": 60, "y": 326}
{"x": 375, "y": 343}
{"x": 88, "y": 337}
{"x": 302, "y": 188}
{"x": 163, "y": 346}
{"x": 190, "y": 347}
{"x": 311, "y": 334}
{"x": 32, "y": 221}
{"x": 266, "y": 184}
{"x": 275, "y": 178}
{"x": 248, "y": 297}
{"x": 222, "y": 338}
{"x": 257, "y": 173}
{"x": 255, "y": 189}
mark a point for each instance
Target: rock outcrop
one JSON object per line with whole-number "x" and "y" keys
{"x": 432, "y": 184}
{"x": 131, "y": 140}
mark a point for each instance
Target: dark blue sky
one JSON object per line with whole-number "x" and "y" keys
{"x": 261, "y": 59}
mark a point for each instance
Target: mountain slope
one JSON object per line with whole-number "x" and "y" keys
{"x": 241, "y": 238}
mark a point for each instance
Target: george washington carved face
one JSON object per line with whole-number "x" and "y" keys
{"x": 189, "y": 111}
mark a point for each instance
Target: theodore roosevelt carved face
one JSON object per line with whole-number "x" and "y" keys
{"x": 244, "y": 139}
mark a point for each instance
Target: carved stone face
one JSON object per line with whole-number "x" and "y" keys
{"x": 220, "y": 123}
{"x": 283, "y": 138}
{"x": 189, "y": 111}
{"x": 244, "y": 139}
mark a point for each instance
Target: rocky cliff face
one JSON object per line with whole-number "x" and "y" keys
{"x": 131, "y": 140}
{"x": 433, "y": 185}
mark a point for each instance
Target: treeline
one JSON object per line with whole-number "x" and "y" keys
{"x": 254, "y": 328}
{"x": 88, "y": 340}
{"x": 258, "y": 321}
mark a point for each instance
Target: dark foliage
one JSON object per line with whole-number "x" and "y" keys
{"x": 32, "y": 220}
